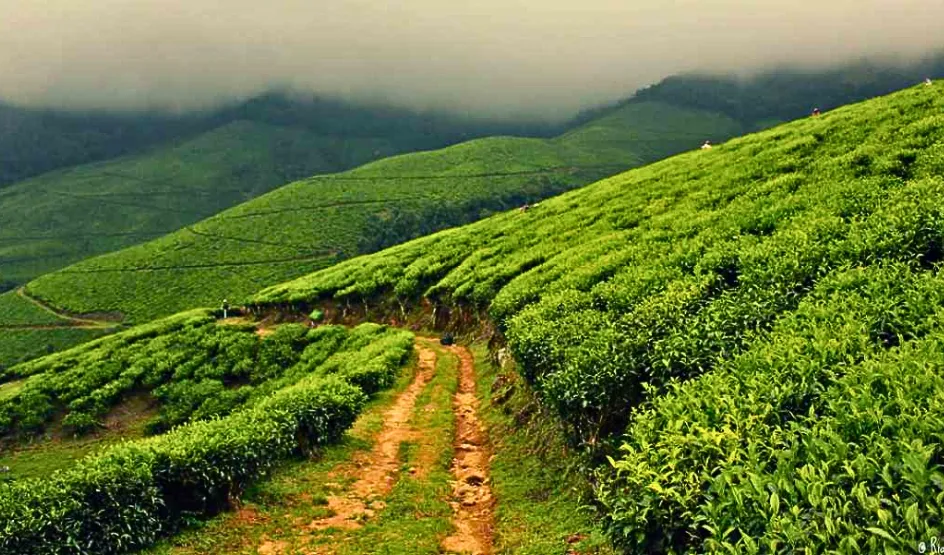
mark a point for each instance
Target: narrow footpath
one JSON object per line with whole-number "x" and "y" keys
{"x": 68, "y": 321}
{"x": 376, "y": 471}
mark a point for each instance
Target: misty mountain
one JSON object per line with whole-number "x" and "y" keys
{"x": 36, "y": 141}
{"x": 779, "y": 95}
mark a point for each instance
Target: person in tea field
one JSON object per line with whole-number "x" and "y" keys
{"x": 816, "y": 112}
{"x": 928, "y": 82}
{"x": 706, "y": 146}
{"x": 225, "y": 308}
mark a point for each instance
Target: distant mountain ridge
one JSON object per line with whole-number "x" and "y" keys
{"x": 34, "y": 141}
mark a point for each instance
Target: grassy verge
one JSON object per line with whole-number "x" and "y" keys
{"x": 58, "y": 450}
{"x": 534, "y": 476}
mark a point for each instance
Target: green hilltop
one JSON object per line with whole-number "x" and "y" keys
{"x": 313, "y": 223}
{"x": 748, "y": 340}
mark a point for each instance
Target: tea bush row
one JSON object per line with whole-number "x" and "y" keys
{"x": 130, "y": 494}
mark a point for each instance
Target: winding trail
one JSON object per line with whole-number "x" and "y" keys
{"x": 399, "y": 493}
{"x": 473, "y": 504}
{"x": 69, "y": 321}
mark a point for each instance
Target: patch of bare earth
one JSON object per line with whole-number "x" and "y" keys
{"x": 264, "y": 332}
{"x": 376, "y": 471}
{"x": 473, "y": 504}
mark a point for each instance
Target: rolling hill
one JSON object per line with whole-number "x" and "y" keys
{"x": 65, "y": 216}
{"x": 748, "y": 340}
{"x": 34, "y": 141}
{"x": 316, "y": 222}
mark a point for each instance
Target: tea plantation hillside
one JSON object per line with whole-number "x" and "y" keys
{"x": 316, "y": 222}
{"x": 749, "y": 339}
{"x": 62, "y": 217}
{"x": 30, "y": 330}
{"x": 224, "y": 402}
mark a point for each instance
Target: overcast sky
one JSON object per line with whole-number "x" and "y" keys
{"x": 490, "y": 56}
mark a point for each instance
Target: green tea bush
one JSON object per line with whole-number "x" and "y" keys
{"x": 190, "y": 367}
{"x": 815, "y": 402}
{"x": 130, "y": 494}
{"x": 373, "y": 367}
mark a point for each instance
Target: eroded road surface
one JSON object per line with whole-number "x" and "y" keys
{"x": 377, "y": 470}
{"x": 473, "y": 503}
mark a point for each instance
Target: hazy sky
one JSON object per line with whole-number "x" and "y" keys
{"x": 497, "y": 56}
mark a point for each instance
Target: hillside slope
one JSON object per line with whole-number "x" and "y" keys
{"x": 59, "y": 218}
{"x": 754, "y": 334}
{"x": 316, "y": 222}
{"x": 35, "y": 141}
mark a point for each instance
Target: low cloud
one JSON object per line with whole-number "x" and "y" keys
{"x": 497, "y": 57}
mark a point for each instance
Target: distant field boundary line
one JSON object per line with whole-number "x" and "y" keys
{"x": 166, "y": 193}
{"x": 331, "y": 177}
{"x": 82, "y": 235}
{"x": 224, "y": 216}
{"x": 128, "y": 204}
{"x": 242, "y": 239}
{"x": 84, "y": 323}
{"x": 203, "y": 266}
{"x": 52, "y": 327}
{"x": 320, "y": 207}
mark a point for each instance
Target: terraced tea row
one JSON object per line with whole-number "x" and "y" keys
{"x": 240, "y": 404}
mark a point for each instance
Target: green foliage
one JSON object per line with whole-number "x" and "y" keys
{"x": 18, "y": 311}
{"x": 795, "y": 442}
{"x": 371, "y": 367}
{"x": 244, "y": 404}
{"x": 110, "y": 205}
{"x": 35, "y": 141}
{"x": 128, "y": 495}
{"x": 18, "y": 345}
{"x": 784, "y": 94}
{"x": 756, "y": 325}
{"x": 177, "y": 169}
{"x": 313, "y": 223}
{"x": 194, "y": 370}
{"x": 28, "y": 330}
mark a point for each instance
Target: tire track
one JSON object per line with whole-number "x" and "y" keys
{"x": 473, "y": 504}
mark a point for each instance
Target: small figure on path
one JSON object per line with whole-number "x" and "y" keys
{"x": 225, "y": 308}
{"x": 815, "y": 112}
{"x": 928, "y": 82}
{"x": 524, "y": 207}
{"x": 706, "y": 146}
{"x": 446, "y": 339}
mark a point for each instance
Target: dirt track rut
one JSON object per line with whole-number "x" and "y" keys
{"x": 473, "y": 504}
{"x": 377, "y": 469}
